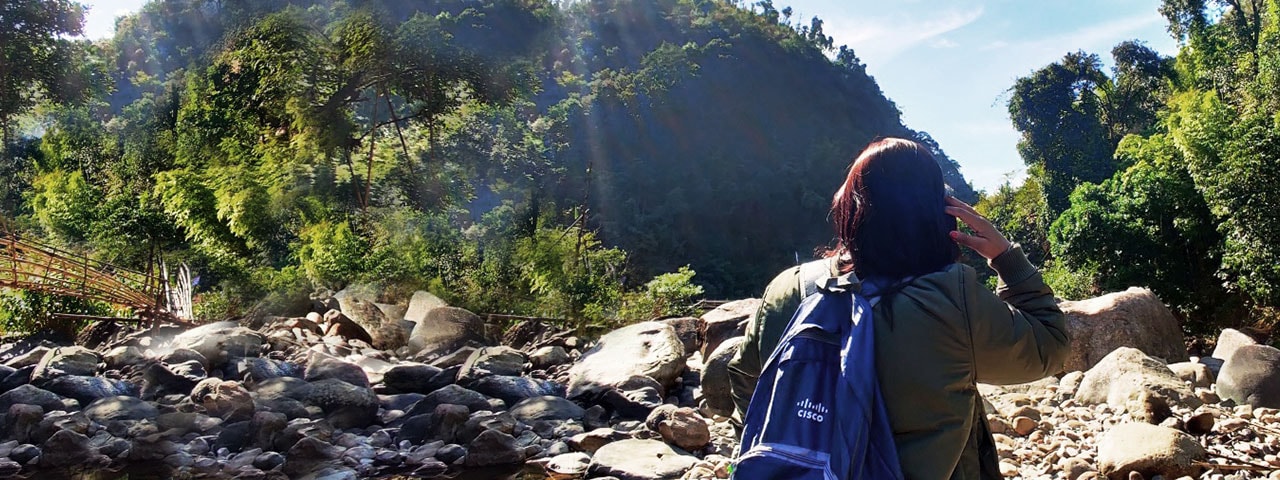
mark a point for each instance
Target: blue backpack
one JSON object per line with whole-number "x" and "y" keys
{"x": 817, "y": 412}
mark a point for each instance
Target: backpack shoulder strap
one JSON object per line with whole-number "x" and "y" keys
{"x": 811, "y": 273}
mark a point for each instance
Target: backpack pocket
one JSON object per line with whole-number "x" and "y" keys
{"x": 783, "y": 462}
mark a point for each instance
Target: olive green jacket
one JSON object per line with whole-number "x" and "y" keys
{"x": 935, "y": 339}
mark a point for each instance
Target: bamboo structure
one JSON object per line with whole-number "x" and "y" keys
{"x": 30, "y": 265}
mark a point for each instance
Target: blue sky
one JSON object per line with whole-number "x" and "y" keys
{"x": 946, "y": 63}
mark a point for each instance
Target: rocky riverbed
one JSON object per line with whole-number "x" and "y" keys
{"x": 361, "y": 389}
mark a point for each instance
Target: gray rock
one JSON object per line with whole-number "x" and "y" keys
{"x": 258, "y": 369}
{"x": 24, "y": 453}
{"x": 220, "y": 342}
{"x": 640, "y": 460}
{"x": 345, "y": 405}
{"x": 492, "y": 361}
{"x": 1229, "y": 341}
{"x": 413, "y": 378}
{"x": 29, "y": 359}
{"x": 451, "y": 394}
{"x": 322, "y": 367}
{"x": 1134, "y": 318}
{"x": 650, "y": 349}
{"x": 1148, "y": 450}
{"x": 21, "y": 420}
{"x": 386, "y": 333}
{"x": 686, "y": 329}
{"x": 343, "y": 326}
{"x": 31, "y": 395}
{"x": 1252, "y": 376}
{"x": 446, "y": 329}
{"x": 223, "y": 399}
{"x": 547, "y": 407}
{"x": 421, "y": 304}
{"x": 725, "y": 322}
{"x": 512, "y": 389}
{"x": 65, "y": 361}
{"x": 282, "y": 387}
{"x": 493, "y": 447}
{"x": 547, "y": 357}
{"x": 88, "y": 389}
{"x": 573, "y": 465}
{"x": 684, "y": 428}
{"x": 716, "y": 392}
{"x": 159, "y": 380}
{"x": 1197, "y": 374}
{"x": 65, "y": 449}
{"x": 120, "y": 408}
{"x": 119, "y": 357}
{"x": 1144, "y": 386}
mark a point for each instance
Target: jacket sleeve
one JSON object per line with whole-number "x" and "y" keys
{"x": 764, "y": 331}
{"x": 1019, "y": 334}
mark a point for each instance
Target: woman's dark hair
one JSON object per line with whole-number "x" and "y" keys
{"x": 889, "y": 213}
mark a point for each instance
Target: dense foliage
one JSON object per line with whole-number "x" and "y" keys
{"x": 513, "y": 156}
{"x": 1165, "y": 173}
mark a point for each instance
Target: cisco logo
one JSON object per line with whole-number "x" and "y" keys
{"x": 810, "y": 410}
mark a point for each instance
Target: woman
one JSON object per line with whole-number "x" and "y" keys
{"x": 938, "y": 330}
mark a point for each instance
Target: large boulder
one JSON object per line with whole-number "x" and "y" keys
{"x": 387, "y": 333}
{"x": 445, "y": 329}
{"x": 31, "y": 395}
{"x": 1133, "y": 318}
{"x": 650, "y": 349}
{"x": 1251, "y": 376}
{"x": 65, "y": 361}
{"x": 120, "y": 408}
{"x": 1149, "y": 450}
{"x": 345, "y": 405}
{"x": 492, "y": 361}
{"x": 493, "y": 447}
{"x": 321, "y": 367}
{"x": 724, "y": 322}
{"x": 717, "y": 396}
{"x": 640, "y": 460}
{"x": 512, "y": 389}
{"x": 1229, "y": 341}
{"x": 342, "y": 326}
{"x": 85, "y": 389}
{"x": 420, "y": 304}
{"x": 546, "y": 407}
{"x": 219, "y": 342}
{"x": 1129, "y": 379}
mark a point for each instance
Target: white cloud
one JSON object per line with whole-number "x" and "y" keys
{"x": 879, "y": 39}
{"x": 943, "y": 42}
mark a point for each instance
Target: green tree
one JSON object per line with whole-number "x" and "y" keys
{"x": 36, "y": 57}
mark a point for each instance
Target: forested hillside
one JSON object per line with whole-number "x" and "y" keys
{"x": 517, "y": 156}
{"x": 1164, "y": 172}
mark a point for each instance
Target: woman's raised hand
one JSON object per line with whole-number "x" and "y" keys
{"x": 986, "y": 240}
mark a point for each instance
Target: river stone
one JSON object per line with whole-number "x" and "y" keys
{"x": 1144, "y": 386}
{"x": 120, "y": 407}
{"x": 1229, "y": 341}
{"x": 550, "y": 356}
{"x": 342, "y": 326}
{"x": 547, "y": 407}
{"x": 650, "y": 349}
{"x": 421, "y": 304}
{"x": 65, "y": 361}
{"x": 88, "y": 389}
{"x": 29, "y": 359}
{"x": 219, "y": 342}
{"x": 446, "y": 329}
{"x": 387, "y": 333}
{"x": 512, "y": 389}
{"x": 258, "y": 369}
{"x": 1197, "y": 374}
{"x": 499, "y": 360}
{"x": 322, "y": 367}
{"x": 31, "y": 395}
{"x": 569, "y": 465}
{"x": 412, "y": 377}
{"x": 65, "y": 449}
{"x": 1149, "y": 450}
{"x": 684, "y": 428}
{"x": 687, "y": 330}
{"x": 1134, "y": 318}
{"x": 640, "y": 460}
{"x": 724, "y": 322}
{"x": 717, "y": 397}
{"x": 227, "y": 400}
{"x": 451, "y": 394}
{"x": 1252, "y": 376}
{"x": 120, "y": 357}
{"x": 493, "y": 447}
{"x": 345, "y": 405}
